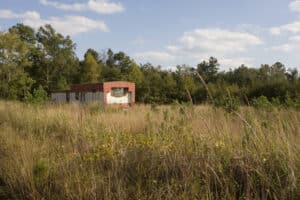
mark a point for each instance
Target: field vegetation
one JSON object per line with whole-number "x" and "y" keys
{"x": 148, "y": 152}
{"x": 205, "y": 133}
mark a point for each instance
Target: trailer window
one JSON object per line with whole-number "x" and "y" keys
{"x": 119, "y": 92}
{"x": 77, "y": 95}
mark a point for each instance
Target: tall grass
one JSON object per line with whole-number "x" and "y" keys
{"x": 165, "y": 152}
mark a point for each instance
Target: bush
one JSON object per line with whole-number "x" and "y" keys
{"x": 276, "y": 102}
{"x": 262, "y": 102}
{"x": 228, "y": 103}
{"x": 38, "y": 96}
{"x": 289, "y": 101}
{"x": 297, "y": 102}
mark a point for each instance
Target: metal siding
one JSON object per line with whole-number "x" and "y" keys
{"x": 59, "y": 97}
{"x": 73, "y": 97}
{"x": 100, "y": 97}
{"x": 88, "y": 97}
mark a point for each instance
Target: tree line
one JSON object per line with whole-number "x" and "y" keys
{"x": 35, "y": 62}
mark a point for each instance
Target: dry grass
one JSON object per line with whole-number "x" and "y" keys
{"x": 165, "y": 152}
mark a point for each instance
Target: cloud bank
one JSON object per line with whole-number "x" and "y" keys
{"x": 69, "y": 24}
{"x": 98, "y": 6}
{"x": 199, "y": 44}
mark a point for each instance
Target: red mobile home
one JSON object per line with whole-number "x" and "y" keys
{"x": 117, "y": 92}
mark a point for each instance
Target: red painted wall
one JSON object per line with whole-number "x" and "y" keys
{"x": 107, "y": 87}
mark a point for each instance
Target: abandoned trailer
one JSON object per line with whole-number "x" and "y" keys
{"x": 117, "y": 92}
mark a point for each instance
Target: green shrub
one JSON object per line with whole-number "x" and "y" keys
{"x": 38, "y": 96}
{"x": 40, "y": 171}
{"x": 228, "y": 103}
{"x": 297, "y": 102}
{"x": 288, "y": 101}
{"x": 262, "y": 102}
{"x": 40, "y": 168}
{"x": 276, "y": 102}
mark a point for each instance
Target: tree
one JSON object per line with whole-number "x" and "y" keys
{"x": 26, "y": 33}
{"x": 185, "y": 82}
{"x": 134, "y": 74}
{"x": 94, "y": 53}
{"x": 208, "y": 70}
{"x": 15, "y": 83}
{"x": 90, "y": 71}
{"x": 55, "y": 62}
{"x": 149, "y": 91}
{"x": 168, "y": 87}
{"x": 119, "y": 66}
{"x": 34, "y": 62}
{"x": 244, "y": 76}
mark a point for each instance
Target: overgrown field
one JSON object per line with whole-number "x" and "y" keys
{"x": 164, "y": 152}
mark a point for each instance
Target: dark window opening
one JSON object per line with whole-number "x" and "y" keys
{"x": 119, "y": 92}
{"x": 68, "y": 97}
{"x": 77, "y": 95}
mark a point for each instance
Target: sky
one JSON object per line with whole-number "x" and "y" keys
{"x": 171, "y": 32}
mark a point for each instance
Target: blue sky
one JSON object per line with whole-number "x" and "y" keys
{"x": 170, "y": 32}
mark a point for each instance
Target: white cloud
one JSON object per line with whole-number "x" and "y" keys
{"x": 235, "y": 62}
{"x": 295, "y": 39}
{"x": 200, "y": 44}
{"x": 214, "y": 42}
{"x": 295, "y": 6}
{"x": 194, "y": 46}
{"x": 291, "y": 45}
{"x": 293, "y": 27}
{"x": 283, "y": 47}
{"x": 154, "y": 56}
{"x": 7, "y": 14}
{"x": 70, "y": 25}
{"x": 99, "y": 6}
{"x": 62, "y": 6}
{"x": 293, "y": 42}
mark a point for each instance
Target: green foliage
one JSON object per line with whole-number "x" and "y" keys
{"x": 40, "y": 171}
{"x": 227, "y": 102}
{"x": 55, "y": 63}
{"x": 38, "y": 96}
{"x": 30, "y": 58}
{"x": 90, "y": 71}
{"x": 134, "y": 74}
{"x": 276, "y": 102}
{"x": 208, "y": 70}
{"x": 288, "y": 101}
{"x": 94, "y": 53}
{"x": 26, "y": 33}
{"x": 297, "y": 102}
{"x": 14, "y": 81}
{"x": 262, "y": 102}
{"x": 40, "y": 168}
